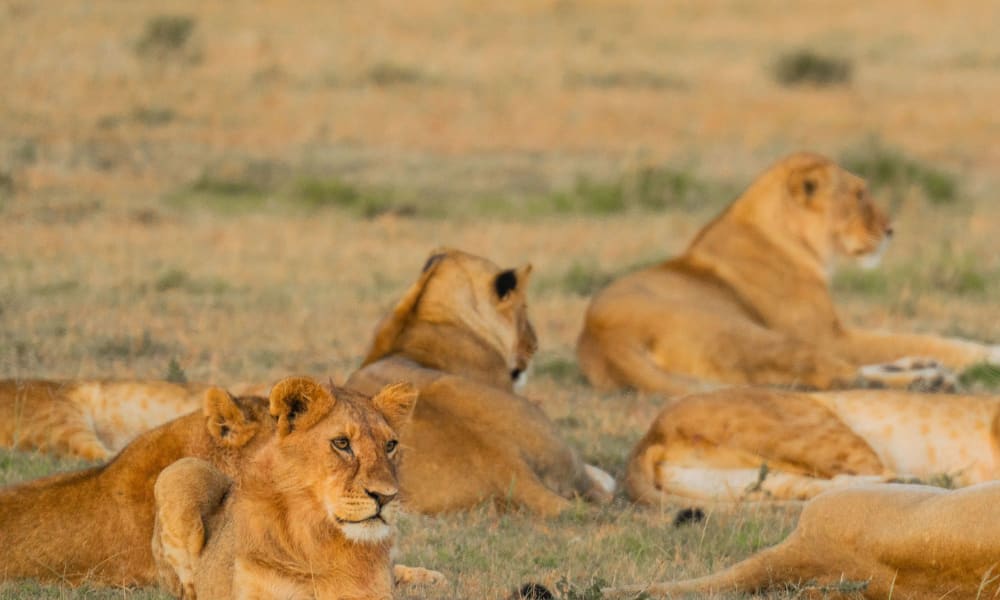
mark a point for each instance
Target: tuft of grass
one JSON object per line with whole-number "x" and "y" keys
{"x": 175, "y": 373}
{"x": 559, "y": 369}
{"x": 385, "y": 74}
{"x": 982, "y": 376}
{"x": 128, "y": 347}
{"x": 166, "y": 36}
{"x": 636, "y": 79}
{"x": 179, "y": 279}
{"x": 865, "y": 282}
{"x": 890, "y": 169}
{"x": 153, "y": 116}
{"x": 316, "y": 193}
{"x": 645, "y": 188}
{"x": 808, "y": 67}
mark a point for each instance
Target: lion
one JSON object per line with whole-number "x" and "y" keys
{"x": 310, "y": 515}
{"x": 749, "y": 301}
{"x": 93, "y": 526}
{"x": 899, "y": 541}
{"x": 759, "y": 444}
{"x": 92, "y": 420}
{"x": 462, "y": 336}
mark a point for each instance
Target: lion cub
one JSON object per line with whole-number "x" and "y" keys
{"x": 309, "y": 517}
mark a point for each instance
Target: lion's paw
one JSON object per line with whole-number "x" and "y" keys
{"x": 417, "y": 576}
{"x": 911, "y": 373}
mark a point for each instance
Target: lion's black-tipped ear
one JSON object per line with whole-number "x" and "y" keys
{"x": 505, "y": 283}
{"x": 298, "y": 403}
{"x": 227, "y": 423}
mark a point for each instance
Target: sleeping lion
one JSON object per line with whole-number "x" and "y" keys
{"x": 749, "y": 301}
{"x": 759, "y": 444}
{"x": 899, "y": 541}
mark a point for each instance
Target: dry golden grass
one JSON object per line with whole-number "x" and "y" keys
{"x": 114, "y": 259}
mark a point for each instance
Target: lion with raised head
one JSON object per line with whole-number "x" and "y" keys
{"x": 759, "y": 444}
{"x": 93, "y": 526}
{"x": 749, "y": 301}
{"x": 462, "y": 336}
{"x": 897, "y": 541}
{"x": 309, "y": 516}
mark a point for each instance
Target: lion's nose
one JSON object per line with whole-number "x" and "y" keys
{"x": 382, "y": 498}
{"x": 888, "y": 231}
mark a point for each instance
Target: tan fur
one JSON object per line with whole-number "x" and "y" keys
{"x": 94, "y": 526}
{"x": 471, "y": 439}
{"x": 908, "y": 542}
{"x": 749, "y": 301}
{"x": 306, "y": 518}
{"x": 712, "y": 446}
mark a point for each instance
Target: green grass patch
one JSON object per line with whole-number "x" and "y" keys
{"x": 175, "y": 373}
{"x": 179, "y": 279}
{"x": 166, "y": 36}
{"x": 558, "y": 369}
{"x": 808, "y": 67}
{"x": 387, "y": 73}
{"x": 129, "y": 347}
{"x": 981, "y": 377}
{"x": 889, "y": 169}
{"x": 16, "y": 466}
{"x": 647, "y": 188}
{"x": 864, "y": 282}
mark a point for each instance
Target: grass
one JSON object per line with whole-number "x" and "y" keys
{"x": 809, "y": 67}
{"x": 890, "y": 169}
{"x": 556, "y": 148}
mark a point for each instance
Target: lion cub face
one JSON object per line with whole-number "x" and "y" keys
{"x": 850, "y": 220}
{"x": 340, "y": 450}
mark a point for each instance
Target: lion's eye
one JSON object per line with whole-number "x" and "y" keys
{"x": 342, "y": 443}
{"x": 391, "y": 445}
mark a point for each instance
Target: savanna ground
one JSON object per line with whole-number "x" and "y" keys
{"x": 236, "y": 192}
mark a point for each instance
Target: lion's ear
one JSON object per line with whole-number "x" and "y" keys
{"x": 392, "y": 324}
{"x": 803, "y": 182}
{"x": 396, "y": 402}
{"x": 511, "y": 280}
{"x": 226, "y": 421}
{"x": 298, "y": 403}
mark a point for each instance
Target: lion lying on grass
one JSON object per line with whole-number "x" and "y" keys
{"x": 89, "y": 419}
{"x": 749, "y": 300}
{"x": 310, "y": 515}
{"x": 461, "y": 334}
{"x": 902, "y": 541}
{"x": 760, "y": 444}
{"x": 94, "y": 526}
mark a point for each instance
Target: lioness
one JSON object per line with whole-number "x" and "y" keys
{"x": 461, "y": 334}
{"x": 310, "y": 516}
{"x": 749, "y": 301}
{"x": 760, "y": 444}
{"x": 94, "y": 525}
{"x": 89, "y": 419}
{"x": 904, "y": 541}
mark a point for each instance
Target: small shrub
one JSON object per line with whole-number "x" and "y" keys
{"x": 384, "y": 74}
{"x": 584, "y": 280}
{"x": 175, "y": 374}
{"x": 165, "y": 36}
{"x": 887, "y": 168}
{"x": 645, "y": 188}
{"x": 334, "y": 193}
{"x": 129, "y": 347}
{"x": 807, "y": 67}
{"x": 171, "y": 279}
{"x": 153, "y": 117}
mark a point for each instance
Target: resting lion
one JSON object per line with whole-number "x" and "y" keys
{"x": 310, "y": 515}
{"x": 905, "y": 541}
{"x": 749, "y": 301}
{"x": 461, "y": 334}
{"x": 760, "y": 444}
{"x": 94, "y": 526}
{"x": 88, "y": 419}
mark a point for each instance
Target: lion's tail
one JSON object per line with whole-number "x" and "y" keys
{"x": 640, "y": 474}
